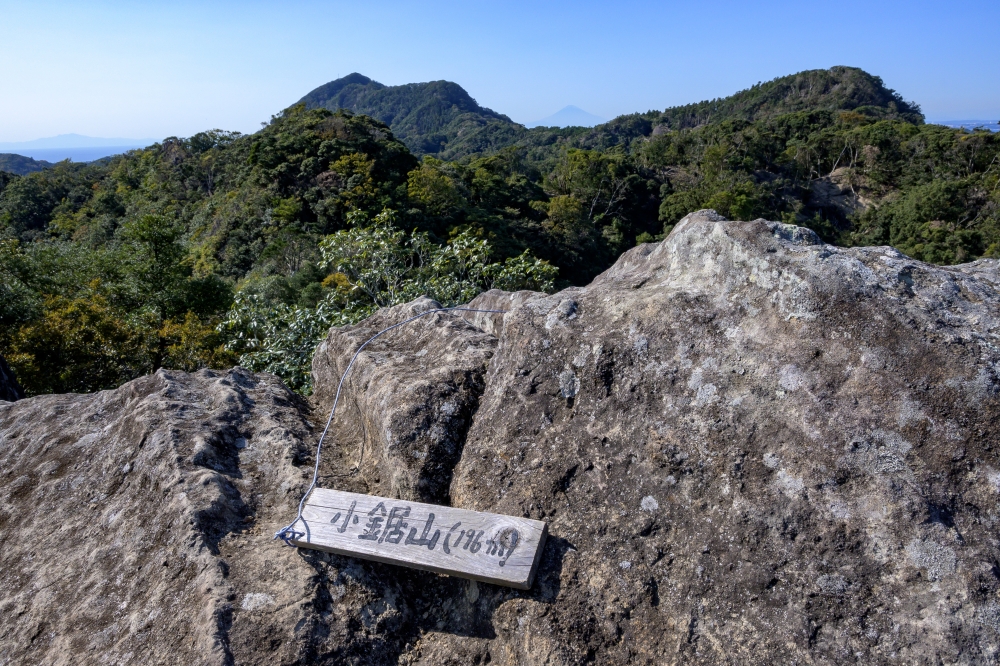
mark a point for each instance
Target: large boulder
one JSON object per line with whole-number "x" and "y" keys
{"x": 408, "y": 400}
{"x": 136, "y": 527}
{"x": 752, "y": 447}
{"x": 749, "y": 447}
{"x": 10, "y": 390}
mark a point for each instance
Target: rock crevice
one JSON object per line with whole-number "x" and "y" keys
{"x": 10, "y": 390}
{"x": 408, "y": 400}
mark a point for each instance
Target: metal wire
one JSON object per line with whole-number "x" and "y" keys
{"x": 287, "y": 533}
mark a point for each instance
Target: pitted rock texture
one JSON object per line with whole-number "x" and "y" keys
{"x": 408, "y": 400}
{"x": 10, "y": 390}
{"x": 499, "y": 302}
{"x": 136, "y": 527}
{"x": 750, "y": 447}
{"x": 113, "y": 508}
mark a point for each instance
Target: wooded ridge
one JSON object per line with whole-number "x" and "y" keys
{"x": 223, "y": 248}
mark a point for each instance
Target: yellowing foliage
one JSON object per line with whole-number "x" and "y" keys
{"x": 191, "y": 345}
{"x": 78, "y": 345}
{"x": 83, "y": 344}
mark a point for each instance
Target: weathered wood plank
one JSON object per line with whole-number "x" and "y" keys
{"x": 487, "y": 547}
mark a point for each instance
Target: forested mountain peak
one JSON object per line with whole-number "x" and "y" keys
{"x": 831, "y": 91}
{"x": 341, "y": 93}
{"x": 440, "y": 118}
{"x": 436, "y": 117}
{"x": 835, "y": 89}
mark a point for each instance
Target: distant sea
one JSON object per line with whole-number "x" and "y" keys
{"x": 74, "y": 154}
{"x": 992, "y": 125}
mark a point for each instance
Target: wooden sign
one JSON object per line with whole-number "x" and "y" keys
{"x": 487, "y": 547}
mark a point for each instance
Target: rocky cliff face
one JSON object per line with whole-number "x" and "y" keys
{"x": 749, "y": 447}
{"x": 10, "y": 390}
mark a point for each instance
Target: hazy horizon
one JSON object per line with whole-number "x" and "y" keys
{"x": 117, "y": 69}
{"x": 73, "y": 140}
{"x": 49, "y": 149}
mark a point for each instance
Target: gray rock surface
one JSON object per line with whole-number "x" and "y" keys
{"x": 750, "y": 447}
{"x": 10, "y": 390}
{"x": 136, "y": 527}
{"x": 756, "y": 448}
{"x": 408, "y": 401}
{"x": 113, "y": 510}
{"x": 498, "y": 300}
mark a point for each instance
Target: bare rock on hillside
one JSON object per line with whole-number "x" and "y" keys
{"x": 10, "y": 390}
{"x": 750, "y": 447}
{"x": 836, "y": 191}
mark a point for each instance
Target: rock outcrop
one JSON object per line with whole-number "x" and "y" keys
{"x": 750, "y": 447}
{"x": 755, "y": 448}
{"x": 408, "y": 401}
{"x": 10, "y": 390}
{"x": 129, "y": 520}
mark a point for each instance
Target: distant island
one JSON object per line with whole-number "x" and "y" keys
{"x": 991, "y": 125}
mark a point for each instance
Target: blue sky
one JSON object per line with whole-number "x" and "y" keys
{"x": 157, "y": 69}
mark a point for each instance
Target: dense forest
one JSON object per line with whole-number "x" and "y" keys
{"x": 223, "y": 248}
